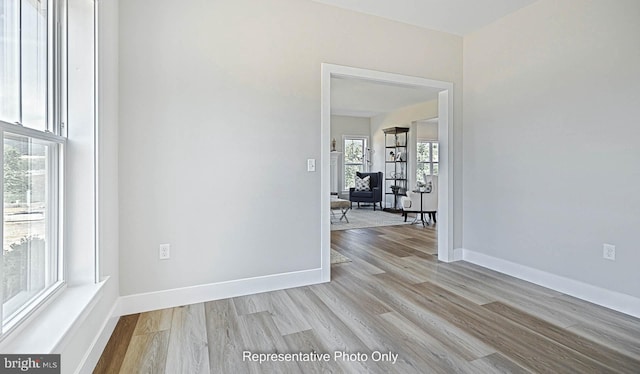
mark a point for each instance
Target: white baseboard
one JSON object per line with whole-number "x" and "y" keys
{"x": 90, "y": 360}
{"x": 610, "y": 299}
{"x": 144, "y": 302}
{"x": 458, "y": 254}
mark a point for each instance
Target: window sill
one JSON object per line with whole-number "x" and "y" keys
{"x": 45, "y": 330}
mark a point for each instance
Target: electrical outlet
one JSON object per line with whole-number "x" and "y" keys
{"x": 609, "y": 252}
{"x": 311, "y": 164}
{"x": 164, "y": 252}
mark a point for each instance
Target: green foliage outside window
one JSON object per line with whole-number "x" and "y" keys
{"x": 427, "y": 157}
{"x": 26, "y": 256}
{"x": 353, "y": 160}
{"x": 354, "y": 151}
{"x": 15, "y": 175}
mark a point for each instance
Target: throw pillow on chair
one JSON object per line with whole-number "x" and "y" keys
{"x": 363, "y": 184}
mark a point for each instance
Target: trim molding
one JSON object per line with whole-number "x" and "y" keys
{"x": 446, "y": 141}
{"x": 92, "y": 356}
{"x": 609, "y": 299}
{"x": 458, "y": 254}
{"x": 144, "y": 302}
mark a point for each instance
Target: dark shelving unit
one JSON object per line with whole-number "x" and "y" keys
{"x": 395, "y": 175}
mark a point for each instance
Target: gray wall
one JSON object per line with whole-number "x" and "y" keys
{"x": 219, "y": 110}
{"x": 551, "y": 108}
{"x": 427, "y": 130}
{"x": 346, "y": 125}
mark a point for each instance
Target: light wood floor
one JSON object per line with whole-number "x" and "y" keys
{"x": 394, "y": 296}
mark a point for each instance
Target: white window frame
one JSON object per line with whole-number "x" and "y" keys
{"x": 430, "y": 162}
{"x": 365, "y": 157}
{"x": 55, "y": 137}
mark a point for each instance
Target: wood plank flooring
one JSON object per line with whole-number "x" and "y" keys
{"x": 393, "y": 297}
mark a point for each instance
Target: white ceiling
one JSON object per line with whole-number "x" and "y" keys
{"x": 363, "y": 98}
{"x": 458, "y": 17}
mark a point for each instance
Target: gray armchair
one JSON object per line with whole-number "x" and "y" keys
{"x": 373, "y": 196}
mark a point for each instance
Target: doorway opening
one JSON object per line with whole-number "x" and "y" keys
{"x": 444, "y": 91}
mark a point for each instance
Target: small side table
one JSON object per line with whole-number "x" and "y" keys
{"x": 422, "y": 212}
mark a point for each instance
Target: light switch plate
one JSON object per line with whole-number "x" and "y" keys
{"x": 311, "y": 164}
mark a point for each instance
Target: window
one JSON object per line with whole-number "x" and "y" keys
{"x": 32, "y": 149}
{"x": 427, "y": 159}
{"x": 355, "y": 159}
